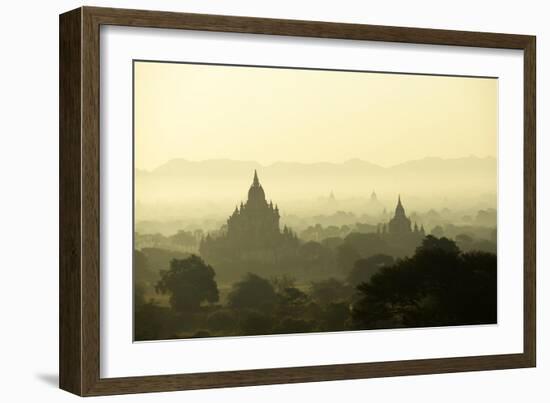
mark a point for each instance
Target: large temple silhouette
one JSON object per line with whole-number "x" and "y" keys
{"x": 256, "y": 222}
{"x": 252, "y": 232}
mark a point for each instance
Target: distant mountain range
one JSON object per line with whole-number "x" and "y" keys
{"x": 229, "y": 178}
{"x": 182, "y": 166}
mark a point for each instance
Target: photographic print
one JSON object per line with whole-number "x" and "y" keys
{"x": 274, "y": 200}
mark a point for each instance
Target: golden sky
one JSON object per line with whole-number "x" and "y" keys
{"x": 199, "y": 112}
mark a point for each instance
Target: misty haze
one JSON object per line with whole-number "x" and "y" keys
{"x": 262, "y": 206}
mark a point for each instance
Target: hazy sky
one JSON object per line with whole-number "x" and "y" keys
{"x": 199, "y": 112}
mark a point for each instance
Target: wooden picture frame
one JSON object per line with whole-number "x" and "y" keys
{"x": 80, "y": 199}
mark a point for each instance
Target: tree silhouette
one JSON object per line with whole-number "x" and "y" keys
{"x": 252, "y": 292}
{"x": 144, "y": 278}
{"x": 281, "y": 283}
{"x": 329, "y": 291}
{"x": 222, "y": 320}
{"x": 189, "y": 282}
{"x": 291, "y": 302}
{"x": 336, "y": 316}
{"x": 364, "y": 269}
{"x": 153, "y": 322}
{"x": 254, "y": 322}
{"x": 346, "y": 255}
{"x": 293, "y": 325}
{"x": 438, "y": 286}
{"x": 366, "y": 244}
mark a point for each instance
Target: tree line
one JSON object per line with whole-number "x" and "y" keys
{"x": 439, "y": 285}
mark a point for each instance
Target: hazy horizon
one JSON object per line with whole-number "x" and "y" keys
{"x": 265, "y": 165}
{"x": 204, "y": 193}
{"x": 207, "y": 112}
{"x": 202, "y": 130}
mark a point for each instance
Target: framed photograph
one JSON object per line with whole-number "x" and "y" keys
{"x": 249, "y": 201}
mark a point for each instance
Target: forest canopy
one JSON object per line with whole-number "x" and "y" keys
{"x": 439, "y": 285}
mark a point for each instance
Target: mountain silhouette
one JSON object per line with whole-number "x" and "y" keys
{"x": 283, "y": 180}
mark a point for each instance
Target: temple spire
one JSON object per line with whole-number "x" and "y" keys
{"x": 256, "y": 195}
{"x": 399, "y": 210}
